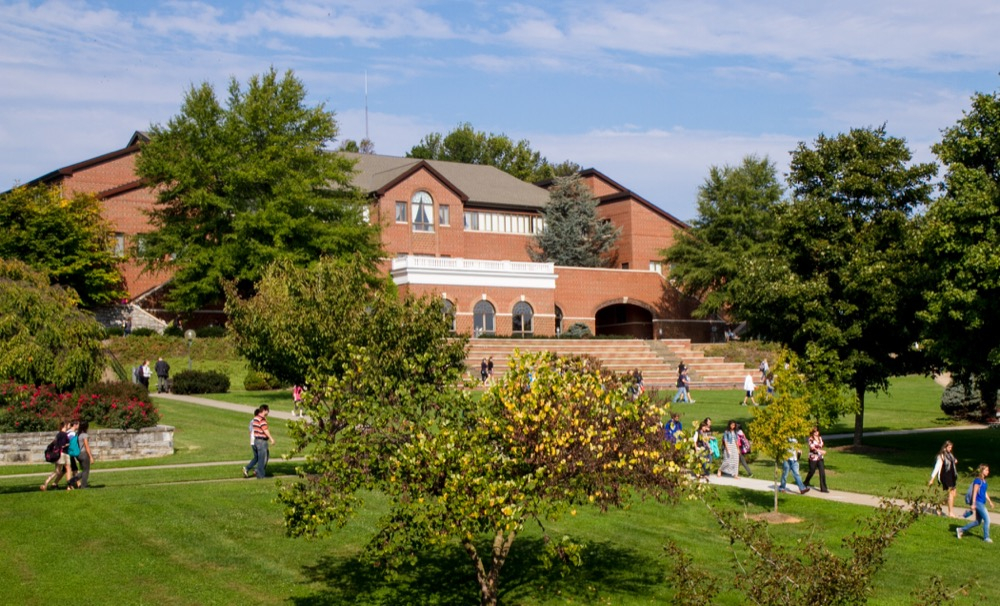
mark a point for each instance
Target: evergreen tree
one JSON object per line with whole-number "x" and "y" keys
{"x": 574, "y": 234}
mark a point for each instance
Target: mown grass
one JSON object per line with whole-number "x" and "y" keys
{"x": 224, "y": 543}
{"x": 204, "y": 535}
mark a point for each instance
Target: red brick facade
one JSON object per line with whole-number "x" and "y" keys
{"x": 631, "y": 299}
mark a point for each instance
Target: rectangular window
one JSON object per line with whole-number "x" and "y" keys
{"x": 119, "y": 245}
{"x": 444, "y": 214}
{"x": 656, "y": 266}
{"x": 624, "y": 265}
{"x": 400, "y": 212}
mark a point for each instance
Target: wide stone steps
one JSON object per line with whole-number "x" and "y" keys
{"x": 657, "y": 360}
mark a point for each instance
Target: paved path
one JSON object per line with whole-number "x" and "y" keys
{"x": 836, "y": 496}
{"x": 244, "y": 408}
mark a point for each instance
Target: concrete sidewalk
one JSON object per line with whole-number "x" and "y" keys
{"x": 837, "y": 496}
{"x": 244, "y": 408}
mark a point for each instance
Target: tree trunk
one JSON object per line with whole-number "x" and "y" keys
{"x": 775, "y": 487}
{"x": 489, "y": 581}
{"x": 859, "y": 418}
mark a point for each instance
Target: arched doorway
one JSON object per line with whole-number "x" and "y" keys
{"x": 626, "y": 320}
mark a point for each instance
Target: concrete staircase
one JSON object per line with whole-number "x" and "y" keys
{"x": 657, "y": 360}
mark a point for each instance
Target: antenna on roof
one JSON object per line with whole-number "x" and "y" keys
{"x": 366, "y": 105}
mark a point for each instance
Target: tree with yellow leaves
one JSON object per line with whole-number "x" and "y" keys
{"x": 786, "y": 416}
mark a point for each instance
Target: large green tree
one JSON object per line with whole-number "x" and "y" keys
{"x": 842, "y": 290}
{"x": 467, "y": 145}
{"x": 44, "y": 336}
{"x": 389, "y": 414}
{"x": 244, "y": 184}
{"x": 67, "y": 239}
{"x": 574, "y": 235}
{"x": 736, "y": 224}
{"x": 959, "y": 238}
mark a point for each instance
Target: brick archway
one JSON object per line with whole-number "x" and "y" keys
{"x": 624, "y": 317}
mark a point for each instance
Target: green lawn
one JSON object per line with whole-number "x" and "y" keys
{"x": 203, "y": 535}
{"x": 223, "y": 543}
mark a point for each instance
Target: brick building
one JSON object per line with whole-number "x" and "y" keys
{"x": 461, "y": 232}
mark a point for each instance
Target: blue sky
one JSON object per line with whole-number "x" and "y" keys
{"x": 650, "y": 93}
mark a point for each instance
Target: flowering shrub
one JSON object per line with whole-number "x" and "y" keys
{"x": 25, "y": 408}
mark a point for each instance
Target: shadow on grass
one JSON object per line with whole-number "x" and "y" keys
{"x": 446, "y": 577}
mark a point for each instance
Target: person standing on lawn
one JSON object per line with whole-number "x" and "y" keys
{"x": 144, "y": 374}
{"x": 730, "y": 452}
{"x": 162, "y": 376}
{"x": 261, "y": 440}
{"x": 979, "y": 500}
{"x": 946, "y": 471}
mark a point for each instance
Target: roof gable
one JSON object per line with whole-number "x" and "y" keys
{"x": 475, "y": 184}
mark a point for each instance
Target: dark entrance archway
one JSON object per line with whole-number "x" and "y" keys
{"x": 624, "y": 319}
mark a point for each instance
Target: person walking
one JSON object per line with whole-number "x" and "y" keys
{"x": 82, "y": 479}
{"x": 791, "y": 464}
{"x": 743, "y": 443}
{"x": 297, "y": 392}
{"x": 681, "y": 395}
{"x": 816, "y": 457}
{"x": 63, "y": 464}
{"x": 489, "y": 370}
{"x": 730, "y": 465}
{"x": 946, "y": 472}
{"x": 748, "y": 388}
{"x": 261, "y": 440}
{"x": 162, "y": 376}
{"x": 253, "y": 447}
{"x": 484, "y": 372}
{"x": 979, "y": 500}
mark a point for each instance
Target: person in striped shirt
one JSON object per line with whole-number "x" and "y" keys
{"x": 261, "y": 439}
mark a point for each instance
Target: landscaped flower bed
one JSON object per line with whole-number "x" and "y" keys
{"x": 29, "y": 408}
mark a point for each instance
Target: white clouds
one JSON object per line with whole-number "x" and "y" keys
{"x": 78, "y": 76}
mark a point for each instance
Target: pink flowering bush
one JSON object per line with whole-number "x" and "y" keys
{"x": 26, "y": 408}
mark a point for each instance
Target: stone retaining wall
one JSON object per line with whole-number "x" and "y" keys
{"x": 106, "y": 444}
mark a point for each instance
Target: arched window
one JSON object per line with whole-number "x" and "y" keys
{"x": 449, "y": 314}
{"x": 423, "y": 210}
{"x": 559, "y": 320}
{"x": 521, "y": 320}
{"x": 484, "y": 318}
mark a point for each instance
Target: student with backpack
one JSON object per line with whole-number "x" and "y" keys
{"x": 977, "y": 498}
{"x": 63, "y": 462}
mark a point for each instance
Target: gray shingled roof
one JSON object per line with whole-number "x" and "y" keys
{"x": 482, "y": 185}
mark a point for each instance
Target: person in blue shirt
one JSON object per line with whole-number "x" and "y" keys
{"x": 674, "y": 427}
{"x": 979, "y": 500}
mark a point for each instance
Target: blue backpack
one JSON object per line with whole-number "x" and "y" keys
{"x": 968, "y": 494}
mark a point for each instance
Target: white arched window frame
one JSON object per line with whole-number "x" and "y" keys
{"x": 484, "y": 318}
{"x": 522, "y": 318}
